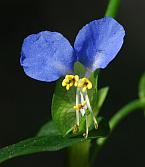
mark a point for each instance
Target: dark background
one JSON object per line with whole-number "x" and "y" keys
{"x": 25, "y": 103}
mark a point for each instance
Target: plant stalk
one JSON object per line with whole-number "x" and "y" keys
{"x": 79, "y": 155}
{"x": 112, "y": 8}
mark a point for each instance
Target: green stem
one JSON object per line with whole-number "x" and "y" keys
{"x": 125, "y": 111}
{"x": 79, "y": 155}
{"x": 112, "y": 8}
{"x": 117, "y": 118}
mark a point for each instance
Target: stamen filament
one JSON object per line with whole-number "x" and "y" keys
{"x": 89, "y": 107}
{"x": 87, "y": 127}
{"x": 77, "y": 111}
{"x": 86, "y": 116}
{"x": 82, "y": 102}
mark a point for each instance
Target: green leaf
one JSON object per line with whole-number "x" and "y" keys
{"x": 99, "y": 98}
{"x": 102, "y": 94}
{"x": 36, "y": 144}
{"x": 94, "y": 79}
{"x": 49, "y": 128}
{"x": 79, "y": 69}
{"x": 51, "y": 142}
{"x": 142, "y": 87}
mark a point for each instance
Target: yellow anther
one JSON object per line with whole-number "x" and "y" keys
{"x": 64, "y": 83}
{"x": 89, "y": 86}
{"x": 70, "y": 80}
{"x": 67, "y": 87}
{"x": 76, "y": 78}
{"x": 69, "y": 77}
{"x": 85, "y": 84}
{"x": 75, "y": 129}
{"x": 80, "y": 106}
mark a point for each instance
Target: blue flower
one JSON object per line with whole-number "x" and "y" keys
{"x": 47, "y": 56}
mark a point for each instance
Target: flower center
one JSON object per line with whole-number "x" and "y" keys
{"x": 82, "y": 106}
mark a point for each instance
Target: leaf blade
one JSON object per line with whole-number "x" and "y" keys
{"x": 51, "y": 142}
{"x": 32, "y": 145}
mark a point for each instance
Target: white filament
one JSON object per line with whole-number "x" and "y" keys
{"x": 89, "y": 107}
{"x": 77, "y": 111}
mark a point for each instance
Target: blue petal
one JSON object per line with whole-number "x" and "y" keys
{"x": 47, "y": 56}
{"x": 98, "y": 43}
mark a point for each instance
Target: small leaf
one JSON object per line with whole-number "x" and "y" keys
{"x": 99, "y": 98}
{"x": 102, "y": 94}
{"x": 51, "y": 142}
{"x": 79, "y": 69}
{"x": 142, "y": 87}
{"x": 94, "y": 79}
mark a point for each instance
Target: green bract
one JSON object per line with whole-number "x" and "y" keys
{"x": 63, "y": 113}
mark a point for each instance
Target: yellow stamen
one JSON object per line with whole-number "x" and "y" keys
{"x": 70, "y": 80}
{"x": 67, "y": 87}
{"x": 85, "y": 84}
{"x": 64, "y": 83}
{"x": 80, "y": 106}
{"x": 76, "y": 78}
{"x": 84, "y": 88}
{"x": 75, "y": 129}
